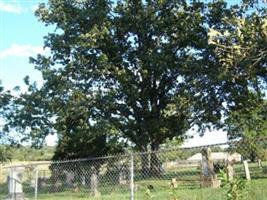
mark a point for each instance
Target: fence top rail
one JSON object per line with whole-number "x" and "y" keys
{"x": 127, "y": 155}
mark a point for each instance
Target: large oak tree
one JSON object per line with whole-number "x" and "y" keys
{"x": 138, "y": 72}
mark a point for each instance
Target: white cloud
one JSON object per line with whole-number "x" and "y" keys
{"x": 35, "y": 7}
{"x": 51, "y": 140}
{"x": 22, "y": 51}
{"x": 11, "y": 7}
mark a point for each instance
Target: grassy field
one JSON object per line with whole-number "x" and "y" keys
{"x": 188, "y": 187}
{"x": 256, "y": 191}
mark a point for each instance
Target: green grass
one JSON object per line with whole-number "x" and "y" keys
{"x": 188, "y": 187}
{"x": 257, "y": 190}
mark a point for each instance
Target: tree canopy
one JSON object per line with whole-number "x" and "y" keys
{"x": 141, "y": 72}
{"x": 5, "y": 98}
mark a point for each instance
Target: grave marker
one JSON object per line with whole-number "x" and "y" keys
{"x": 208, "y": 176}
{"x": 230, "y": 166}
{"x": 15, "y": 189}
{"x": 245, "y": 164}
{"x": 94, "y": 183}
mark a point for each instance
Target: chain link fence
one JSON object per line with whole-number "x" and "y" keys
{"x": 180, "y": 173}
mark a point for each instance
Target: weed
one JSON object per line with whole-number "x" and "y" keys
{"x": 236, "y": 188}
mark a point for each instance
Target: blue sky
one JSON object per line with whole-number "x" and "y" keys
{"x": 21, "y": 36}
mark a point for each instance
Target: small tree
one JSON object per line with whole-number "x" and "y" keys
{"x": 250, "y": 129}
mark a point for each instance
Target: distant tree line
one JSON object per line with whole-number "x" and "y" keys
{"x": 25, "y": 153}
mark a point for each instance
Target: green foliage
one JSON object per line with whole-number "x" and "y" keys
{"x": 5, "y": 154}
{"x": 251, "y": 148}
{"x": 240, "y": 49}
{"x": 22, "y": 153}
{"x": 171, "y": 143}
{"x": 250, "y": 123}
{"x": 5, "y": 98}
{"x": 250, "y": 127}
{"x": 236, "y": 188}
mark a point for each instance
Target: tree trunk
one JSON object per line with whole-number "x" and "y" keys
{"x": 155, "y": 164}
{"x": 144, "y": 163}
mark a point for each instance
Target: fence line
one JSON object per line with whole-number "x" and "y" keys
{"x": 138, "y": 175}
{"x": 134, "y": 153}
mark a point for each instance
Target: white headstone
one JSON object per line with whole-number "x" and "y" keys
{"x": 245, "y": 164}
{"x": 15, "y": 190}
{"x": 174, "y": 183}
{"x": 231, "y": 159}
{"x": 259, "y": 163}
{"x": 83, "y": 180}
{"x": 70, "y": 176}
{"x": 230, "y": 171}
{"x": 123, "y": 176}
{"x": 94, "y": 183}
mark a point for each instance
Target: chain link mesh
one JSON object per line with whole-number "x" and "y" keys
{"x": 179, "y": 173}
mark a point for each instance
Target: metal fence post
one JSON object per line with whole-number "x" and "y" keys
{"x": 36, "y": 184}
{"x": 132, "y": 176}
